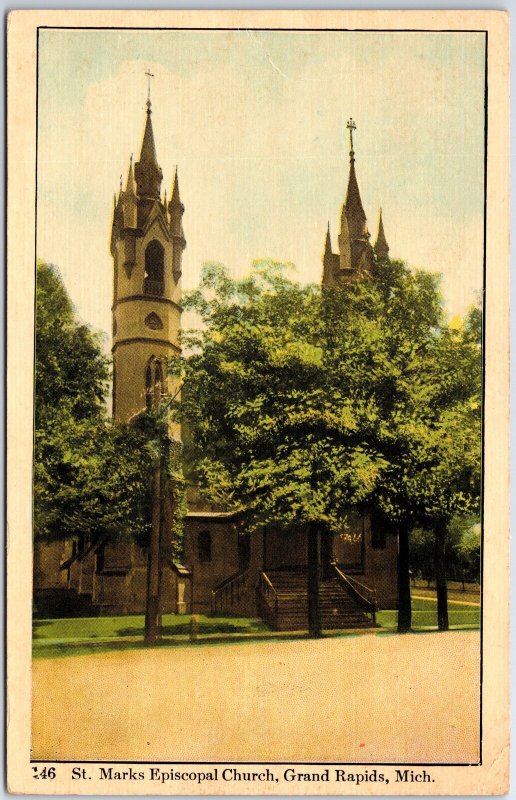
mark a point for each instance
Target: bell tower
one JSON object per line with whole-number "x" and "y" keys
{"x": 147, "y": 243}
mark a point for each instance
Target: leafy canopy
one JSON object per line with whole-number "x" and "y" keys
{"x": 91, "y": 478}
{"x": 302, "y": 403}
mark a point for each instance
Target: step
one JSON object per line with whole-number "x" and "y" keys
{"x": 337, "y": 608}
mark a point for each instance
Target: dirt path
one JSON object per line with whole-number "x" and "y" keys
{"x": 365, "y": 698}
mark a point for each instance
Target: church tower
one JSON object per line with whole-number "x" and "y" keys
{"x": 147, "y": 243}
{"x": 356, "y": 256}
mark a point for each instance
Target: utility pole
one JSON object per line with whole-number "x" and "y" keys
{"x": 152, "y": 611}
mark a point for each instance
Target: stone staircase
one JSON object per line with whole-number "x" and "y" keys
{"x": 283, "y": 601}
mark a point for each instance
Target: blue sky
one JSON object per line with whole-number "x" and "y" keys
{"x": 255, "y": 122}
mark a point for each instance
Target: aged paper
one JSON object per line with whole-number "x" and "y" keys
{"x": 279, "y": 135}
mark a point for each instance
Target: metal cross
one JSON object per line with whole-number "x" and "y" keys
{"x": 149, "y": 76}
{"x": 351, "y": 127}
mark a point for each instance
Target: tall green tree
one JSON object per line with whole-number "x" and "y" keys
{"x": 394, "y": 320}
{"x": 304, "y": 403}
{"x": 90, "y": 476}
{"x": 445, "y": 483}
{"x": 276, "y": 432}
{"x": 94, "y": 480}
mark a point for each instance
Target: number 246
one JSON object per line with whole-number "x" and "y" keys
{"x": 45, "y": 773}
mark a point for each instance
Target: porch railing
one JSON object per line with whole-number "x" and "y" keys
{"x": 227, "y": 594}
{"x": 363, "y": 595}
{"x": 267, "y": 600}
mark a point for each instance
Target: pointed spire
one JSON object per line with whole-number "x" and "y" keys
{"x": 147, "y": 170}
{"x": 175, "y": 190}
{"x": 129, "y": 200}
{"x": 353, "y": 209}
{"x": 176, "y": 209}
{"x": 148, "y": 151}
{"x": 327, "y": 246}
{"x": 118, "y": 219}
{"x": 381, "y": 247}
{"x": 130, "y": 186}
{"x": 355, "y": 213}
{"x": 117, "y": 210}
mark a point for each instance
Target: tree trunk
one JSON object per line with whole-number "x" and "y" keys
{"x": 314, "y": 541}
{"x": 326, "y": 554}
{"x": 404, "y": 603}
{"x": 440, "y": 576}
{"x": 152, "y": 610}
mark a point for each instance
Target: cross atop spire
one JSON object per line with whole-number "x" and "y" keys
{"x": 351, "y": 126}
{"x": 149, "y": 76}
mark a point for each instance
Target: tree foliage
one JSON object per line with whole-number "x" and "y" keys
{"x": 274, "y": 430}
{"x": 303, "y": 403}
{"x": 91, "y": 478}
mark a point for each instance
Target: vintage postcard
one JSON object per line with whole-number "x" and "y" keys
{"x": 258, "y": 402}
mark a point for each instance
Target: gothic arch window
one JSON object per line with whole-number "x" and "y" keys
{"x": 154, "y": 280}
{"x": 155, "y": 387}
{"x": 158, "y": 382}
{"x": 148, "y": 387}
{"x": 204, "y": 547}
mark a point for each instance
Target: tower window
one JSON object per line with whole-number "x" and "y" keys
{"x": 154, "y": 280}
{"x": 155, "y": 387}
{"x": 158, "y": 382}
{"x": 153, "y": 322}
{"x": 204, "y": 547}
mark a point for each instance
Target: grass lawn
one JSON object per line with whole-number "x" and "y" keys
{"x": 88, "y": 628}
{"x": 52, "y": 637}
{"x": 424, "y": 616}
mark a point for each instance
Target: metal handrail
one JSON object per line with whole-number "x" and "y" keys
{"x": 226, "y": 590}
{"x": 368, "y": 589}
{"x": 268, "y": 594}
{"x": 264, "y": 577}
{"x": 368, "y": 605}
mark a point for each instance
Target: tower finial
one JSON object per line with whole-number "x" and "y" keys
{"x": 149, "y": 76}
{"x": 351, "y": 127}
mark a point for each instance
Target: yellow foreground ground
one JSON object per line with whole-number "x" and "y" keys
{"x": 366, "y": 698}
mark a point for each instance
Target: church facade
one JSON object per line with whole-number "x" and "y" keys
{"x": 225, "y": 570}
